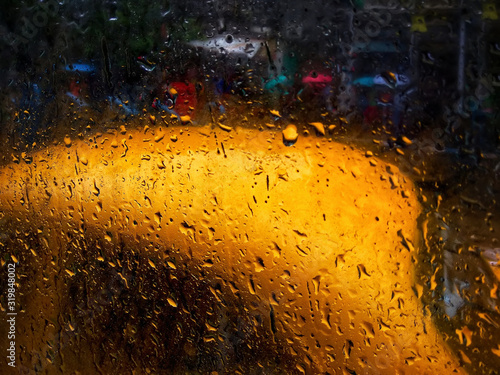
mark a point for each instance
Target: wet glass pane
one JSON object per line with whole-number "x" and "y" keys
{"x": 249, "y": 187}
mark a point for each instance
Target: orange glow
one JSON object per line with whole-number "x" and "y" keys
{"x": 319, "y": 233}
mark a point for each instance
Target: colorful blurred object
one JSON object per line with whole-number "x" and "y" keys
{"x": 229, "y": 44}
{"x": 490, "y": 11}
{"x": 418, "y": 24}
{"x": 315, "y": 78}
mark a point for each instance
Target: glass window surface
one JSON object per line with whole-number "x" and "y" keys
{"x": 249, "y": 187}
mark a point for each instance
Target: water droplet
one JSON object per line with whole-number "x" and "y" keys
{"x": 96, "y": 191}
{"x": 249, "y": 49}
{"x": 320, "y": 128}
{"x": 159, "y": 137}
{"x": 290, "y": 135}
{"x": 71, "y": 273}
{"x": 84, "y": 160}
{"x": 406, "y": 141}
{"x": 67, "y": 141}
{"x": 225, "y": 127}
{"x": 356, "y": 172}
{"x": 259, "y": 264}
{"x": 171, "y": 302}
{"x": 362, "y": 271}
{"x": 158, "y": 218}
{"x": 464, "y": 335}
{"x": 389, "y": 77}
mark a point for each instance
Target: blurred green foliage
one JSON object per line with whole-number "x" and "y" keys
{"x": 134, "y": 26}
